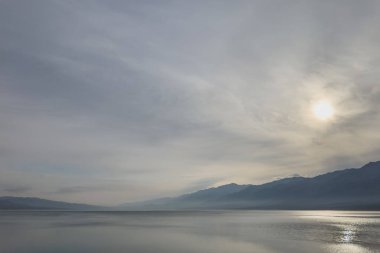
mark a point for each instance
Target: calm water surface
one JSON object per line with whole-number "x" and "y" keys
{"x": 177, "y": 232}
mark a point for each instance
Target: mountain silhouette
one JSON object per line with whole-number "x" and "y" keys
{"x": 351, "y": 189}
{"x": 17, "y": 203}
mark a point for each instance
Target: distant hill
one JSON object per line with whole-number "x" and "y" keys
{"x": 351, "y": 189}
{"x": 17, "y": 203}
{"x": 196, "y": 200}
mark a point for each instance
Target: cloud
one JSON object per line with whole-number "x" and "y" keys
{"x": 135, "y": 100}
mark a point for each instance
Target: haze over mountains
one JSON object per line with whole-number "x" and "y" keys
{"x": 351, "y": 189}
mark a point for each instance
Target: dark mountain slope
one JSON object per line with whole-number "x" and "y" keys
{"x": 346, "y": 188}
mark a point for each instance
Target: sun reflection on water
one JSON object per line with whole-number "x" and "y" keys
{"x": 348, "y": 234}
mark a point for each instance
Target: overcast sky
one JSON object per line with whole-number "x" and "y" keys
{"x": 113, "y": 101}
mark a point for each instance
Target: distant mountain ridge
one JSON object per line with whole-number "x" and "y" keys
{"x": 354, "y": 189}
{"x": 27, "y": 203}
{"x": 348, "y": 189}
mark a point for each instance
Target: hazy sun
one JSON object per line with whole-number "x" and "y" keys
{"x": 323, "y": 110}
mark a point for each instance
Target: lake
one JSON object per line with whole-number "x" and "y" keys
{"x": 189, "y": 232}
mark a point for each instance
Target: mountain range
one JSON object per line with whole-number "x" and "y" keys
{"x": 25, "y": 203}
{"x": 349, "y": 189}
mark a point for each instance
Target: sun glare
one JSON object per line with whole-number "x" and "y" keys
{"x": 323, "y": 110}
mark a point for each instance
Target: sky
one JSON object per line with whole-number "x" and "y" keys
{"x": 106, "y": 102}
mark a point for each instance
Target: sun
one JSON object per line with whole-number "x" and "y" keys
{"x": 323, "y": 110}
